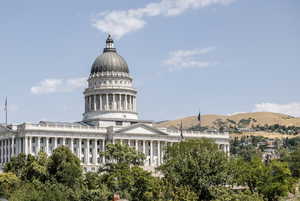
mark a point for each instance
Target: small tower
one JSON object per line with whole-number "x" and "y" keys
{"x": 110, "y": 94}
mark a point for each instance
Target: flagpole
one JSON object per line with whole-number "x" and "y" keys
{"x": 199, "y": 119}
{"x": 181, "y": 131}
{"x": 6, "y": 111}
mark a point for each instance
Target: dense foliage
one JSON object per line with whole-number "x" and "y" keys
{"x": 193, "y": 170}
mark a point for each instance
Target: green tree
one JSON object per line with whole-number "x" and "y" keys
{"x": 121, "y": 174}
{"x": 64, "y": 167}
{"x": 225, "y": 194}
{"x": 36, "y": 168}
{"x": 121, "y": 156}
{"x": 8, "y": 183}
{"x": 277, "y": 183}
{"x": 272, "y": 180}
{"x": 294, "y": 163}
{"x": 16, "y": 164}
{"x": 197, "y": 164}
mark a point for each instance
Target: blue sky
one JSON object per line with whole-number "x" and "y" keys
{"x": 219, "y": 56}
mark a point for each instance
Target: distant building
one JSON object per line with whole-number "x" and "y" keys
{"x": 110, "y": 117}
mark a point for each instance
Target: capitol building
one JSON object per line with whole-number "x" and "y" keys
{"x": 110, "y": 116}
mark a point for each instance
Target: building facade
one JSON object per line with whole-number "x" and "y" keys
{"x": 110, "y": 117}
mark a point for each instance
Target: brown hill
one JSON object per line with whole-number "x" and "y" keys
{"x": 260, "y": 118}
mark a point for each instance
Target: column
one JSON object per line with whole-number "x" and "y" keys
{"x": 72, "y": 145}
{"x": 79, "y": 151}
{"x": 38, "y": 145}
{"x": 151, "y": 152}
{"x": 120, "y": 102}
{"x": 64, "y": 141}
{"x": 107, "y": 103}
{"x": 95, "y": 152}
{"x": 8, "y": 149}
{"x": 144, "y": 147}
{"x": 100, "y": 102}
{"x": 47, "y": 145}
{"x": 87, "y": 153}
{"x": 12, "y": 147}
{"x": 133, "y": 104}
{"x": 126, "y": 104}
{"x": 158, "y": 153}
{"x": 103, "y": 150}
{"x": 19, "y": 146}
{"x": 25, "y": 144}
{"x": 55, "y": 143}
{"x": 95, "y": 102}
{"x": 30, "y": 145}
{"x": 113, "y": 102}
{"x": 137, "y": 145}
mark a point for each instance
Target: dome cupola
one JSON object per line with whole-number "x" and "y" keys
{"x": 109, "y": 60}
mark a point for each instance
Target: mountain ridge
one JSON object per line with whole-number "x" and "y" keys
{"x": 256, "y": 118}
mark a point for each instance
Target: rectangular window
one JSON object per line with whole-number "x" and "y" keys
{"x": 119, "y": 123}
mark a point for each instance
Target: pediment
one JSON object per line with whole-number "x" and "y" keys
{"x": 141, "y": 129}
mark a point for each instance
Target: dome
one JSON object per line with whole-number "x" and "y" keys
{"x": 110, "y": 60}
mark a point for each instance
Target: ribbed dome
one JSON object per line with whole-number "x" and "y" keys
{"x": 109, "y": 61}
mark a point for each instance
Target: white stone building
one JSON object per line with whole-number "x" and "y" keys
{"x": 110, "y": 117}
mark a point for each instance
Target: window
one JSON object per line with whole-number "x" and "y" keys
{"x": 119, "y": 123}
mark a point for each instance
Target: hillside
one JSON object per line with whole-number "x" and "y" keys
{"x": 258, "y": 118}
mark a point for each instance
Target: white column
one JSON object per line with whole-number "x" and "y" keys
{"x": 158, "y": 153}
{"x": 113, "y": 102}
{"x": 38, "y": 145}
{"x": 79, "y": 151}
{"x": 30, "y": 145}
{"x": 107, "y": 103}
{"x": 144, "y": 147}
{"x": 64, "y": 141}
{"x": 25, "y": 144}
{"x": 95, "y": 102}
{"x": 87, "y": 153}
{"x": 55, "y": 143}
{"x": 12, "y": 146}
{"x": 120, "y": 102}
{"x": 47, "y": 146}
{"x": 151, "y": 152}
{"x": 137, "y": 145}
{"x": 126, "y": 104}
{"x": 103, "y": 149}
{"x": 100, "y": 102}
{"x": 19, "y": 146}
{"x": 95, "y": 152}
{"x": 72, "y": 145}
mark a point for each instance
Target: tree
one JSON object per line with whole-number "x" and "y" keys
{"x": 36, "y": 168}
{"x": 16, "y": 164}
{"x": 121, "y": 156}
{"x": 64, "y": 167}
{"x": 121, "y": 174}
{"x": 294, "y": 163}
{"x": 272, "y": 180}
{"x": 8, "y": 183}
{"x": 196, "y": 164}
{"x": 225, "y": 194}
{"x": 277, "y": 183}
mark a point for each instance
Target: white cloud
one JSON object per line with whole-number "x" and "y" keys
{"x": 292, "y": 109}
{"x": 120, "y": 22}
{"x": 181, "y": 59}
{"x": 58, "y": 85}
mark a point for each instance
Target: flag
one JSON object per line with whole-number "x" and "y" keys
{"x": 181, "y": 131}
{"x": 199, "y": 117}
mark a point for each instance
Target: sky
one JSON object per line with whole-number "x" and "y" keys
{"x": 186, "y": 56}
